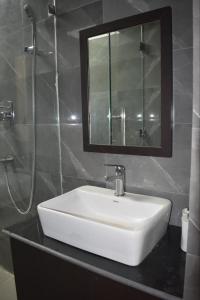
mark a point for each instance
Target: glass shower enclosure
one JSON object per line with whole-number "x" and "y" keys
{"x": 124, "y": 86}
{"x": 17, "y": 68}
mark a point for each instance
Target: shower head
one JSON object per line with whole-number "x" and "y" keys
{"x": 28, "y": 10}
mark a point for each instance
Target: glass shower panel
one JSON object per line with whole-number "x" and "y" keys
{"x": 99, "y": 89}
{"x": 135, "y": 85}
{"x": 16, "y": 137}
{"x": 152, "y": 84}
{"x": 126, "y": 86}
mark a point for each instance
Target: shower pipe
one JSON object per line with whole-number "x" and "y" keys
{"x": 30, "y": 15}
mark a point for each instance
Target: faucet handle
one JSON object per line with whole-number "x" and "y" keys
{"x": 117, "y": 167}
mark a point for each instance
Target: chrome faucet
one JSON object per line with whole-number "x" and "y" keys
{"x": 119, "y": 179}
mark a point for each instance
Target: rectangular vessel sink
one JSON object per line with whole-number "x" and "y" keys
{"x": 124, "y": 229}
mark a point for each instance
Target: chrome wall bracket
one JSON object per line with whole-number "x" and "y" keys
{"x": 7, "y": 112}
{"x": 7, "y": 159}
{"x": 51, "y": 9}
{"x": 30, "y": 50}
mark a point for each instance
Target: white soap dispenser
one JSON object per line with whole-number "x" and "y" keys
{"x": 185, "y": 223}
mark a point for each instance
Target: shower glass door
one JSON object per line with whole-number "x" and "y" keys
{"x": 124, "y": 86}
{"x": 16, "y": 136}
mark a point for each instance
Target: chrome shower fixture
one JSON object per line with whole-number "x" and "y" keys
{"x": 7, "y": 112}
{"x": 30, "y": 50}
{"x": 6, "y": 159}
{"x": 28, "y": 10}
{"x": 51, "y": 9}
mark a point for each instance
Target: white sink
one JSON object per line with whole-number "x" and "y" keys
{"x": 124, "y": 229}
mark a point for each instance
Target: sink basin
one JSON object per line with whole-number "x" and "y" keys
{"x": 124, "y": 229}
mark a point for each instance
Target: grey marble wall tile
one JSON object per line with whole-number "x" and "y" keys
{"x": 69, "y": 25}
{"x": 4, "y": 199}
{"x": 45, "y": 64}
{"x": 181, "y": 11}
{"x": 192, "y": 273}
{"x": 178, "y": 166}
{"x": 85, "y": 16}
{"x": 46, "y": 106}
{"x": 196, "y": 120}
{"x": 10, "y": 12}
{"x": 47, "y": 186}
{"x": 8, "y": 90}
{"x": 19, "y": 183}
{"x": 191, "y": 286}
{"x": 146, "y": 173}
{"x": 179, "y": 201}
{"x": 12, "y": 51}
{"x": 162, "y": 174}
{"x": 6, "y": 70}
{"x": 15, "y": 77}
{"x": 193, "y": 238}
{"x": 8, "y": 29}
{"x": 45, "y": 35}
{"x": 68, "y": 51}
{"x": 182, "y": 72}
{"x": 182, "y": 85}
{"x": 47, "y": 148}
{"x": 19, "y": 140}
{"x": 196, "y": 11}
{"x": 195, "y": 178}
{"x": 5, "y": 253}
{"x": 4, "y": 149}
{"x": 21, "y": 62}
{"x": 117, "y": 9}
{"x": 70, "y": 96}
{"x": 39, "y": 8}
{"x": 66, "y": 6}
{"x": 182, "y": 106}
{"x": 23, "y": 101}
{"x": 70, "y": 183}
{"x": 82, "y": 164}
{"x": 182, "y": 21}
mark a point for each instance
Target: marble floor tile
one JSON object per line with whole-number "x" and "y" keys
{"x": 4, "y": 275}
{"x": 7, "y": 286}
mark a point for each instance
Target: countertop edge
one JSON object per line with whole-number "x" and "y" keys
{"x": 117, "y": 278}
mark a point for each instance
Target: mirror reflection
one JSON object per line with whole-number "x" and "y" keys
{"x": 124, "y": 86}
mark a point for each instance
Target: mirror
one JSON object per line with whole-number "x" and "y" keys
{"x": 126, "y": 70}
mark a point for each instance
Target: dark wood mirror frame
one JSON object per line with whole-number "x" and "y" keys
{"x": 164, "y": 15}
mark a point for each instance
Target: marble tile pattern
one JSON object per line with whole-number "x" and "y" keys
{"x": 192, "y": 276}
{"x": 16, "y": 85}
{"x": 165, "y": 177}
{"x": 7, "y": 285}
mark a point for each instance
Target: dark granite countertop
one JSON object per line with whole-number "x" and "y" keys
{"x": 160, "y": 274}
